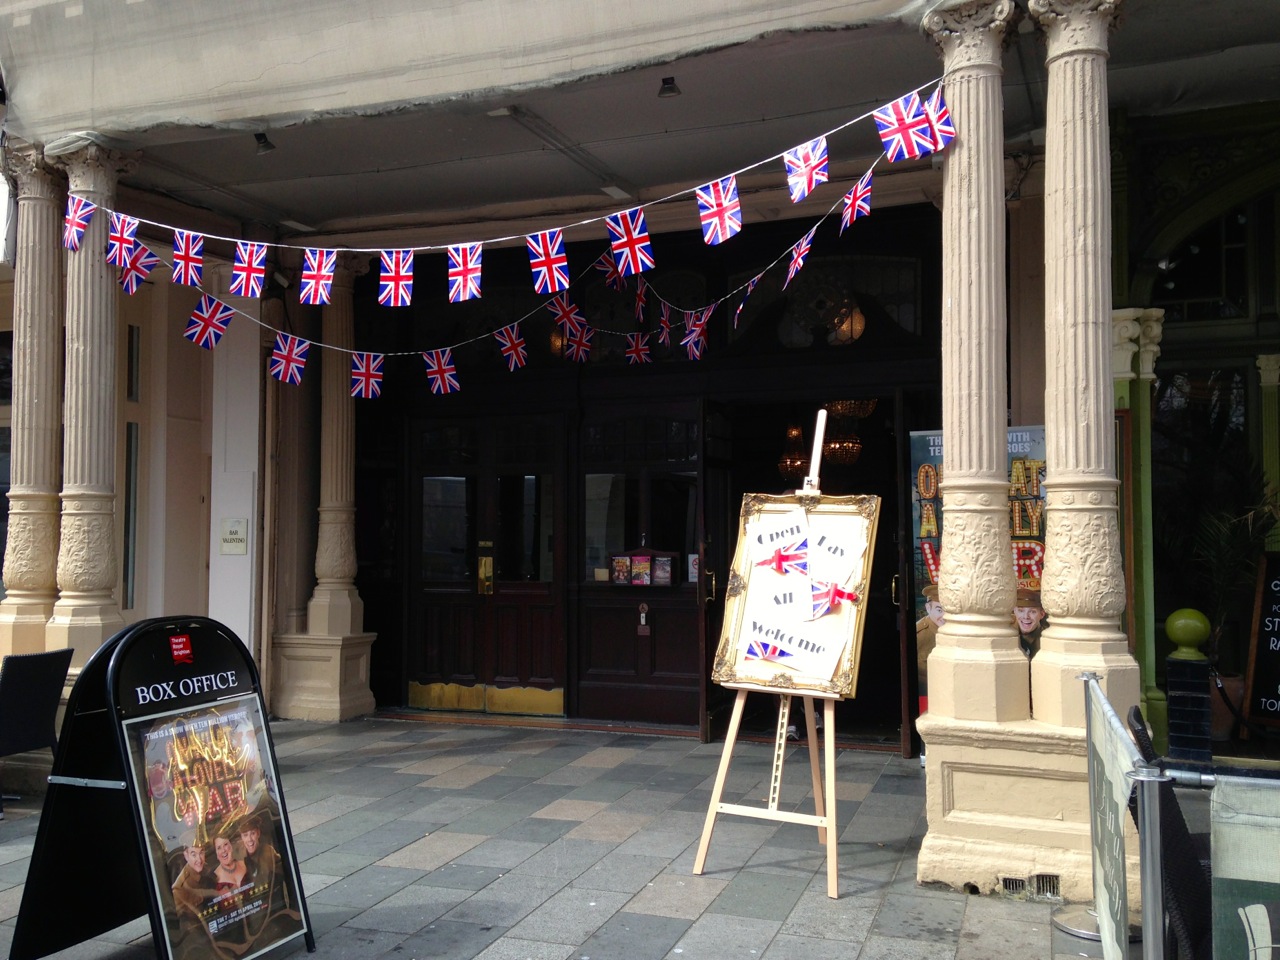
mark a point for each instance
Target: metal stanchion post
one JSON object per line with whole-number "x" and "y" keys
{"x": 1151, "y": 876}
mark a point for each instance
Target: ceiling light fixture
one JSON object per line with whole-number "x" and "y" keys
{"x": 264, "y": 145}
{"x": 668, "y": 88}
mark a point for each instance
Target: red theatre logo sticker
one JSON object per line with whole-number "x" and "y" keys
{"x": 180, "y": 646}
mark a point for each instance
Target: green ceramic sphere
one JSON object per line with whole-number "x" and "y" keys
{"x": 1188, "y": 629}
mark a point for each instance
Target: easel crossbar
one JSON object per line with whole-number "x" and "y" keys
{"x": 742, "y": 810}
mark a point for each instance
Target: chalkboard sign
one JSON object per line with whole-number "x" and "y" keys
{"x": 1262, "y": 679}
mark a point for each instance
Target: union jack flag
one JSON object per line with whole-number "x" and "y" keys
{"x": 629, "y": 240}
{"x": 249, "y": 269}
{"x": 904, "y": 128}
{"x": 76, "y": 222}
{"x": 664, "y": 325}
{"x": 757, "y": 650}
{"x": 695, "y": 338}
{"x": 857, "y": 202}
{"x": 719, "y": 209}
{"x": 513, "y": 347}
{"x": 208, "y": 322}
{"x": 395, "y": 285}
{"x": 790, "y": 559}
{"x": 548, "y": 261}
{"x": 609, "y": 267}
{"x": 828, "y": 596}
{"x": 289, "y": 358}
{"x": 638, "y": 348}
{"x": 140, "y": 263}
{"x": 464, "y": 272}
{"x": 566, "y": 312}
{"x": 806, "y": 168}
{"x": 121, "y": 238}
{"x": 642, "y": 297}
{"x": 798, "y": 253}
{"x": 366, "y": 375}
{"x": 441, "y": 371}
{"x": 317, "y": 275}
{"x": 188, "y": 258}
{"x": 750, "y": 286}
{"x": 939, "y": 120}
{"x": 578, "y": 345}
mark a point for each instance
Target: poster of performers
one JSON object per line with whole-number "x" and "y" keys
{"x": 209, "y": 794}
{"x": 1026, "y": 541}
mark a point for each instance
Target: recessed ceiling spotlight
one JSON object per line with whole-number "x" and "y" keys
{"x": 668, "y": 88}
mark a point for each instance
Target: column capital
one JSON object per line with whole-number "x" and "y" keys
{"x": 1075, "y": 26}
{"x": 970, "y": 32}
{"x": 24, "y": 163}
{"x": 349, "y": 266}
{"x": 1269, "y": 369}
{"x": 1125, "y": 330}
{"x": 1149, "y": 338}
{"x": 93, "y": 170}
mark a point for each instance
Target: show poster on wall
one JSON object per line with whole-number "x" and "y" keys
{"x": 1026, "y": 543}
{"x": 207, "y": 786}
{"x": 795, "y": 602}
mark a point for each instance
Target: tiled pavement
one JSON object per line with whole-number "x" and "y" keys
{"x": 505, "y": 843}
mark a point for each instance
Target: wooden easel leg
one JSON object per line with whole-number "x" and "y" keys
{"x": 779, "y": 750}
{"x": 833, "y": 829}
{"x": 730, "y": 736}
{"x": 814, "y": 768}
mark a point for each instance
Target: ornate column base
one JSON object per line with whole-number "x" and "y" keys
{"x": 976, "y": 674}
{"x": 335, "y": 610}
{"x": 82, "y": 624}
{"x": 323, "y": 678}
{"x": 1057, "y": 696}
{"x": 23, "y": 620}
{"x": 1008, "y": 801}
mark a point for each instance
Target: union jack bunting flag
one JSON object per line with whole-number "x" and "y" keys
{"x": 789, "y": 559}
{"x": 76, "y": 222}
{"x": 548, "y": 261}
{"x": 568, "y": 317}
{"x": 642, "y": 297}
{"x": 719, "y": 209}
{"x": 249, "y": 269}
{"x": 798, "y": 253}
{"x": 939, "y": 120}
{"x": 904, "y": 128}
{"x": 395, "y": 284}
{"x": 806, "y": 168}
{"x": 208, "y": 322}
{"x": 857, "y": 202}
{"x": 827, "y": 597}
{"x": 750, "y": 286}
{"x": 188, "y": 258}
{"x": 140, "y": 263}
{"x": 629, "y": 240}
{"x": 695, "y": 338}
{"x": 664, "y": 325}
{"x": 757, "y": 650}
{"x": 464, "y": 272}
{"x": 609, "y": 267}
{"x": 121, "y": 238}
{"x": 317, "y": 275}
{"x": 289, "y": 358}
{"x": 512, "y": 344}
{"x": 638, "y": 348}
{"x": 366, "y": 375}
{"x": 441, "y": 372}
{"x": 578, "y": 343}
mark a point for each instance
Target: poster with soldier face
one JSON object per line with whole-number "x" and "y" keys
{"x": 210, "y": 804}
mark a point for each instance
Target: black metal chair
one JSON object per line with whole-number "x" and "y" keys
{"x": 30, "y": 689}
{"x": 1185, "y": 872}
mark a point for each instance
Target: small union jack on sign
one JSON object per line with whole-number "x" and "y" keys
{"x": 790, "y": 559}
{"x": 289, "y": 358}
{"x": 827, "y": 597}
{"x": 208, "y": 322}
{"x": 765, "y": 651}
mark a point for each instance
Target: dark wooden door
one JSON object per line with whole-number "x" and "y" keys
{"x": 488, "y": 619}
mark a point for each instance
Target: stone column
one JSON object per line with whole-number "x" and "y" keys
{"x": 87, "y": 611}
{"x": 976, "y": 671}
{"x": 1083, "y": 589}
{"x": 1155, "y": 705}
{"x": 1269, "y": 370}
{"x": 30, "y": 556}
{"x": 324, "y": 674}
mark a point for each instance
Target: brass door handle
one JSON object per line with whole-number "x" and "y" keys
{"x": 484, "y": 579}
{"x": 711, "y": 591}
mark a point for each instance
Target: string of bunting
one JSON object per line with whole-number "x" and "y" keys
{"x": 909, "y": 128}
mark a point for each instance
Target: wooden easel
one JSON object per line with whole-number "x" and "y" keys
{"x": 824, "y": 815}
